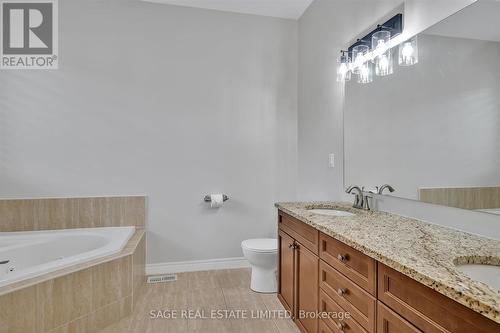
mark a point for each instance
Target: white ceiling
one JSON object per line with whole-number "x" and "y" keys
{"x": 480, "y": 20}
{"x": 291, "y": 9}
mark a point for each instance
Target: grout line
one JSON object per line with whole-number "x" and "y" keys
{"x": 233, "y": 329}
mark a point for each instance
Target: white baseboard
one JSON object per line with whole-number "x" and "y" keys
{"x": 196, "y": 265}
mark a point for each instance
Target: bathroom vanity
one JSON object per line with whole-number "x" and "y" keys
{"x": 389, "y": 273}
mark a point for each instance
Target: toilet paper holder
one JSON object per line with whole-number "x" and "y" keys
{"x": 208, "y": 199}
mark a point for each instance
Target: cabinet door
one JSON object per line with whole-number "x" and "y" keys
{"x": 286, "y": 270}
{"x": 307, "y": 267}
{"x": 390, "y": 322}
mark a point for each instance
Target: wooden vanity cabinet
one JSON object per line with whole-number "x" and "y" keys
{"x": 318, "y": 273}
{"x": 298, "y": 271}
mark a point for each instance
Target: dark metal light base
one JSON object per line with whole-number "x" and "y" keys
{"x": 394, "y": 25}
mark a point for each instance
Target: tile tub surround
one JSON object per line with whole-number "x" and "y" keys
{"x": 425, "y": 252}
{"x": 462, "y": 197}
{"x": 85, "y": 298}
{"x": 68, "y": 213}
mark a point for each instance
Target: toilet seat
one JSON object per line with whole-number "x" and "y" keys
{"x": 261, "y": 245}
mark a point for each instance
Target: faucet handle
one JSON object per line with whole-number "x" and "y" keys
{"x": 367, "y": 195}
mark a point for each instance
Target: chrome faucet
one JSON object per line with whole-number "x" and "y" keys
{"x": 4, "y": 262}
{"x": 358, "y": 197}
{"x": 385, "y": 186}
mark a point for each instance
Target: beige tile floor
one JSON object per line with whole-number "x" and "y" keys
{"x": 204, "y": 291}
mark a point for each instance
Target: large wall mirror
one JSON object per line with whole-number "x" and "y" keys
{"x": 432, "y": 130}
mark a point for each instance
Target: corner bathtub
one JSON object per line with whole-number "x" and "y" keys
{"x": 34, "y": 253}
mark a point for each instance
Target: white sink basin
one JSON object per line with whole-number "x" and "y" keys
{"x": 488, "y": 274}
{"x": 330, "y": 212}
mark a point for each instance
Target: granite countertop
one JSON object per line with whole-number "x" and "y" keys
{"x": 425, "y": 252}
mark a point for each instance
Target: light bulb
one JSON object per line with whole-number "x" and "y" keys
{"x": 343, "y": 70}
{"x": 408, "y": 52}
{"x": 381, "y": 47}
{"x": 365, "y": 73}
{"x": 359, "y": 60}
{"x": 383, "y": 64}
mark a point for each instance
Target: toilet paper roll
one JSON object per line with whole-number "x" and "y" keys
{"x": 216, "y": 200}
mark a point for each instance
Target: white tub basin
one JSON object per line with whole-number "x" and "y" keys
{"x": 331, "y": 212}
{"x": 488, "y": 274}
{"x": 33, "y": 253}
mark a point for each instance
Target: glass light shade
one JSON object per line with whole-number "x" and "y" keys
{"x": 359, "y": 53}
{"x": 365, "y": 73}
{"x": 408, "y": 52}
{"x": 383, "y": 55}
{"x": 343, "y": 68}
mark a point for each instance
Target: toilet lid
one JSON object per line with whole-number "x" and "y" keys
{"x": 261, "y": 244}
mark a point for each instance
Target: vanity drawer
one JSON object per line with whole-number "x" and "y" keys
{"x": 357, "y": 266}
{"x": 360, "y": 304}
{"x": 427, "y": 309}
{"x": 346, "y": 325}
{"x": 389, "y": 321}
{"x": 303, "y": 233}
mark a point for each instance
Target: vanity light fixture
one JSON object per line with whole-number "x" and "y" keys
{"x": 343, "y": 67}
{"x": 373, "y": 53}
{"x": 408, "y": 52}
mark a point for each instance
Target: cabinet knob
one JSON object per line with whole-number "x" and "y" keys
{"x": 291, "y": 246}
{"x": 342, "y": 291}
{"x": 342, "y": 258}
{"x": 341, "y": 326}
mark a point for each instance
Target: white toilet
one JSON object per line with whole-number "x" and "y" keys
{"x": 262, "y": 254}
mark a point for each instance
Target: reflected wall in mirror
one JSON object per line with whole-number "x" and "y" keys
{"x": 433, "y": 130}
